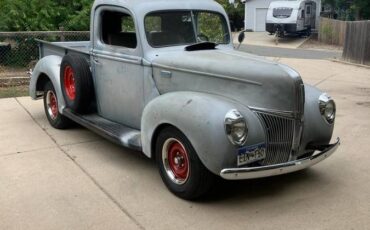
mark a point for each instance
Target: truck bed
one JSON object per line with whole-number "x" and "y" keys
{"x": 62, "y": 48}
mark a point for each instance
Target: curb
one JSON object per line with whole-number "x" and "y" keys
{"x": 349, "y": 63}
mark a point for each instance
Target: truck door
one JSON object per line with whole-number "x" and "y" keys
{"x": 117, "y": 66}
{"x": 308, "y": 12}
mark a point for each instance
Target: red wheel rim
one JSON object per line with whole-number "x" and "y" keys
{"x": 52, "y": 105}
{"x": 69, "y": 83}
{"x": 176, "y": 161}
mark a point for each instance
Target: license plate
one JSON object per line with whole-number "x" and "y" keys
{"x": 251, "y": 154}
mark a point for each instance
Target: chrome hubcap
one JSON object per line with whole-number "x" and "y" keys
{"x": 52, "y": 105}
{"x": 176, "y": 161}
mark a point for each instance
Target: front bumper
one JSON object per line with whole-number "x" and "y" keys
{"x": 278, "y": 169}
{"x": 289, "y": 28}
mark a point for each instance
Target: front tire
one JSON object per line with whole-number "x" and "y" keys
{"x": 55, "y": 119}
{"x": 180, "y": 167}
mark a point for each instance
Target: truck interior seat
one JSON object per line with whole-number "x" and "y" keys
{"x": 164, "y": 38}
{"x": 125, "y": 39}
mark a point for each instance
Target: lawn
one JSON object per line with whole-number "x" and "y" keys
{"x": 17, "y": 91}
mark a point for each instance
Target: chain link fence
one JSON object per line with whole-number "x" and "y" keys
{"x": 19, "y": 53}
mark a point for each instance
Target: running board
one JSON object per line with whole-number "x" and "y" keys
{"x": 117, "y": 133}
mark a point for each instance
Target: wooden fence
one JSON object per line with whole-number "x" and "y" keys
{"x": 332, "y": 31}
{"x": 353, "y": 36}
{"x": 357, "y": 42}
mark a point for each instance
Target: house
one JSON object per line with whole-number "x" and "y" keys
{"x": 256, "y": 10}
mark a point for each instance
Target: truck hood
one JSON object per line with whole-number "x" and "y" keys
{"x": 248, "y": 79}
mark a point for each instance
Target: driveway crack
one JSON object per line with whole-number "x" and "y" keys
{"x": 331, "y": 76}
{"x": 27, "y": 151}
{"x": 101, "y": 188}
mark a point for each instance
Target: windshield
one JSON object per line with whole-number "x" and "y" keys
{"x": 282, "y": 12}
{"x": 185, "y": 27}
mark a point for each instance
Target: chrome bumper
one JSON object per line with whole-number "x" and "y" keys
{"x": 278, "y": 169}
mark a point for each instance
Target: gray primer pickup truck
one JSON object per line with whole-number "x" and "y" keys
{"x": 162, "y": 77}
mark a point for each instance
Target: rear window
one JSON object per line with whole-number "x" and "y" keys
{"x": 118, "y": 29}
{"x": 282, "y": 12}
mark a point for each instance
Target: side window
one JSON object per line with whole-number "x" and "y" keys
{"x": 303, "y": 14}
{"x": 308, "y": 9}
{"x": 118, "y": 29}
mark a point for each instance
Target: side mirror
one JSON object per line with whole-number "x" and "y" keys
{"x": 241, "y": 36}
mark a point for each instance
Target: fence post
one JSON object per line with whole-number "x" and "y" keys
{"x": 357, "y": 42}
{"x": 62, "y": 38}
{"x": 367, "y": 44}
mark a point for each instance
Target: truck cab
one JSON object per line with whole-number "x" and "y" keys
{"x": 162, "y": 77}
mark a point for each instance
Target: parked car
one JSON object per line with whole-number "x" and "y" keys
{"x": 162, "y": 77}
{"x": 291, "y": 17}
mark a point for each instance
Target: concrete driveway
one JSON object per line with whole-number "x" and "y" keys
{"x": 264, "y": 39}
{"x": 291, "y": 53}
{"x": 73, "y": 179}
{"x": 262, "y": 44}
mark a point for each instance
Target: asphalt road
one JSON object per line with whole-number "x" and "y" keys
{"x": 73, "y": 179}
{"x": 289, "y": 53}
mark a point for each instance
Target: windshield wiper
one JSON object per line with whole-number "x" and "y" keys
{"x": 201, "y": 46}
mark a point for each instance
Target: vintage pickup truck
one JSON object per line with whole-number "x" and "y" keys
{"x": 162, "y": 77}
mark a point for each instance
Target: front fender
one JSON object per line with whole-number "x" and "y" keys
{"x": 316, "y": 130}
{"x": 200, "y": 117}
{"x": 49, "y": 66}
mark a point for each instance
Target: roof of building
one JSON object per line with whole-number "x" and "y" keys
{"x": 287, "y": 3}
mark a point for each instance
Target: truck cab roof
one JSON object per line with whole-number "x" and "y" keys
{"x": 142, "y": 7}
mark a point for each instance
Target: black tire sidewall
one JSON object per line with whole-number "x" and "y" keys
{"x": 60, "y": 122}
{"x": 83, "y": 82}
{"x": 199, "y": 180}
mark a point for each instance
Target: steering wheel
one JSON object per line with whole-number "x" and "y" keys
{"x": 202, "y": 37}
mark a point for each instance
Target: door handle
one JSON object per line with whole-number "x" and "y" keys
{"x": 96, "y": 61}
{"x": 166, "y": 74}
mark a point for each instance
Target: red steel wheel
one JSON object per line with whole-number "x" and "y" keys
{"x": 179, "y": 165}
{"x": 56, "y": 119}
{"x": 76, "y": 83}
{"x": 176, "y": 161}
{"x": 52, "y": 105}
{"x": 69, "y": 83}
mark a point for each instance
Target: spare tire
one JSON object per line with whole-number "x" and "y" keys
{"x": 76, "y": 83}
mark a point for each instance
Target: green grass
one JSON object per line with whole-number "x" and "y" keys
{"x": 17, "y": 91}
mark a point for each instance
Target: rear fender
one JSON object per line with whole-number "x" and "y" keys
{"x": 50, "y": 67}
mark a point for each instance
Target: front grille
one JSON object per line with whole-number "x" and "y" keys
{"x": 280, "y": 135}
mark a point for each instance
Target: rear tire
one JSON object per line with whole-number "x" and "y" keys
{"x": 180, "y": 167}
{"x": 76, "y": 83}
{"x": 55, "y": 119}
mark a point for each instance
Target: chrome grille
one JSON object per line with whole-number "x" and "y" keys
{"x": 280, "y": 134}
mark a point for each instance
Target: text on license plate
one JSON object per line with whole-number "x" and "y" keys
{"x": 251, "y": 154}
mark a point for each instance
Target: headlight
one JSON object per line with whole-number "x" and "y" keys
{"x": 327, "y": 108}
{"x": 236, "y": 127}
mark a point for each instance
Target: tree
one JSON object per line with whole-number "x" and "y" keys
{"x": 31, "y": 15}
{"x": 236, "y": 14}
{"x": 350, "y": 9}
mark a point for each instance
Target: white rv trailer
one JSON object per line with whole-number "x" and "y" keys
{"x": 291, "y": 17}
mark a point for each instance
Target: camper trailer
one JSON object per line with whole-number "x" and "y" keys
{"x": 291, "y": 17}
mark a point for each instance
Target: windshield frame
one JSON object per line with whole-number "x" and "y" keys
{"x": 192, "y": 12}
